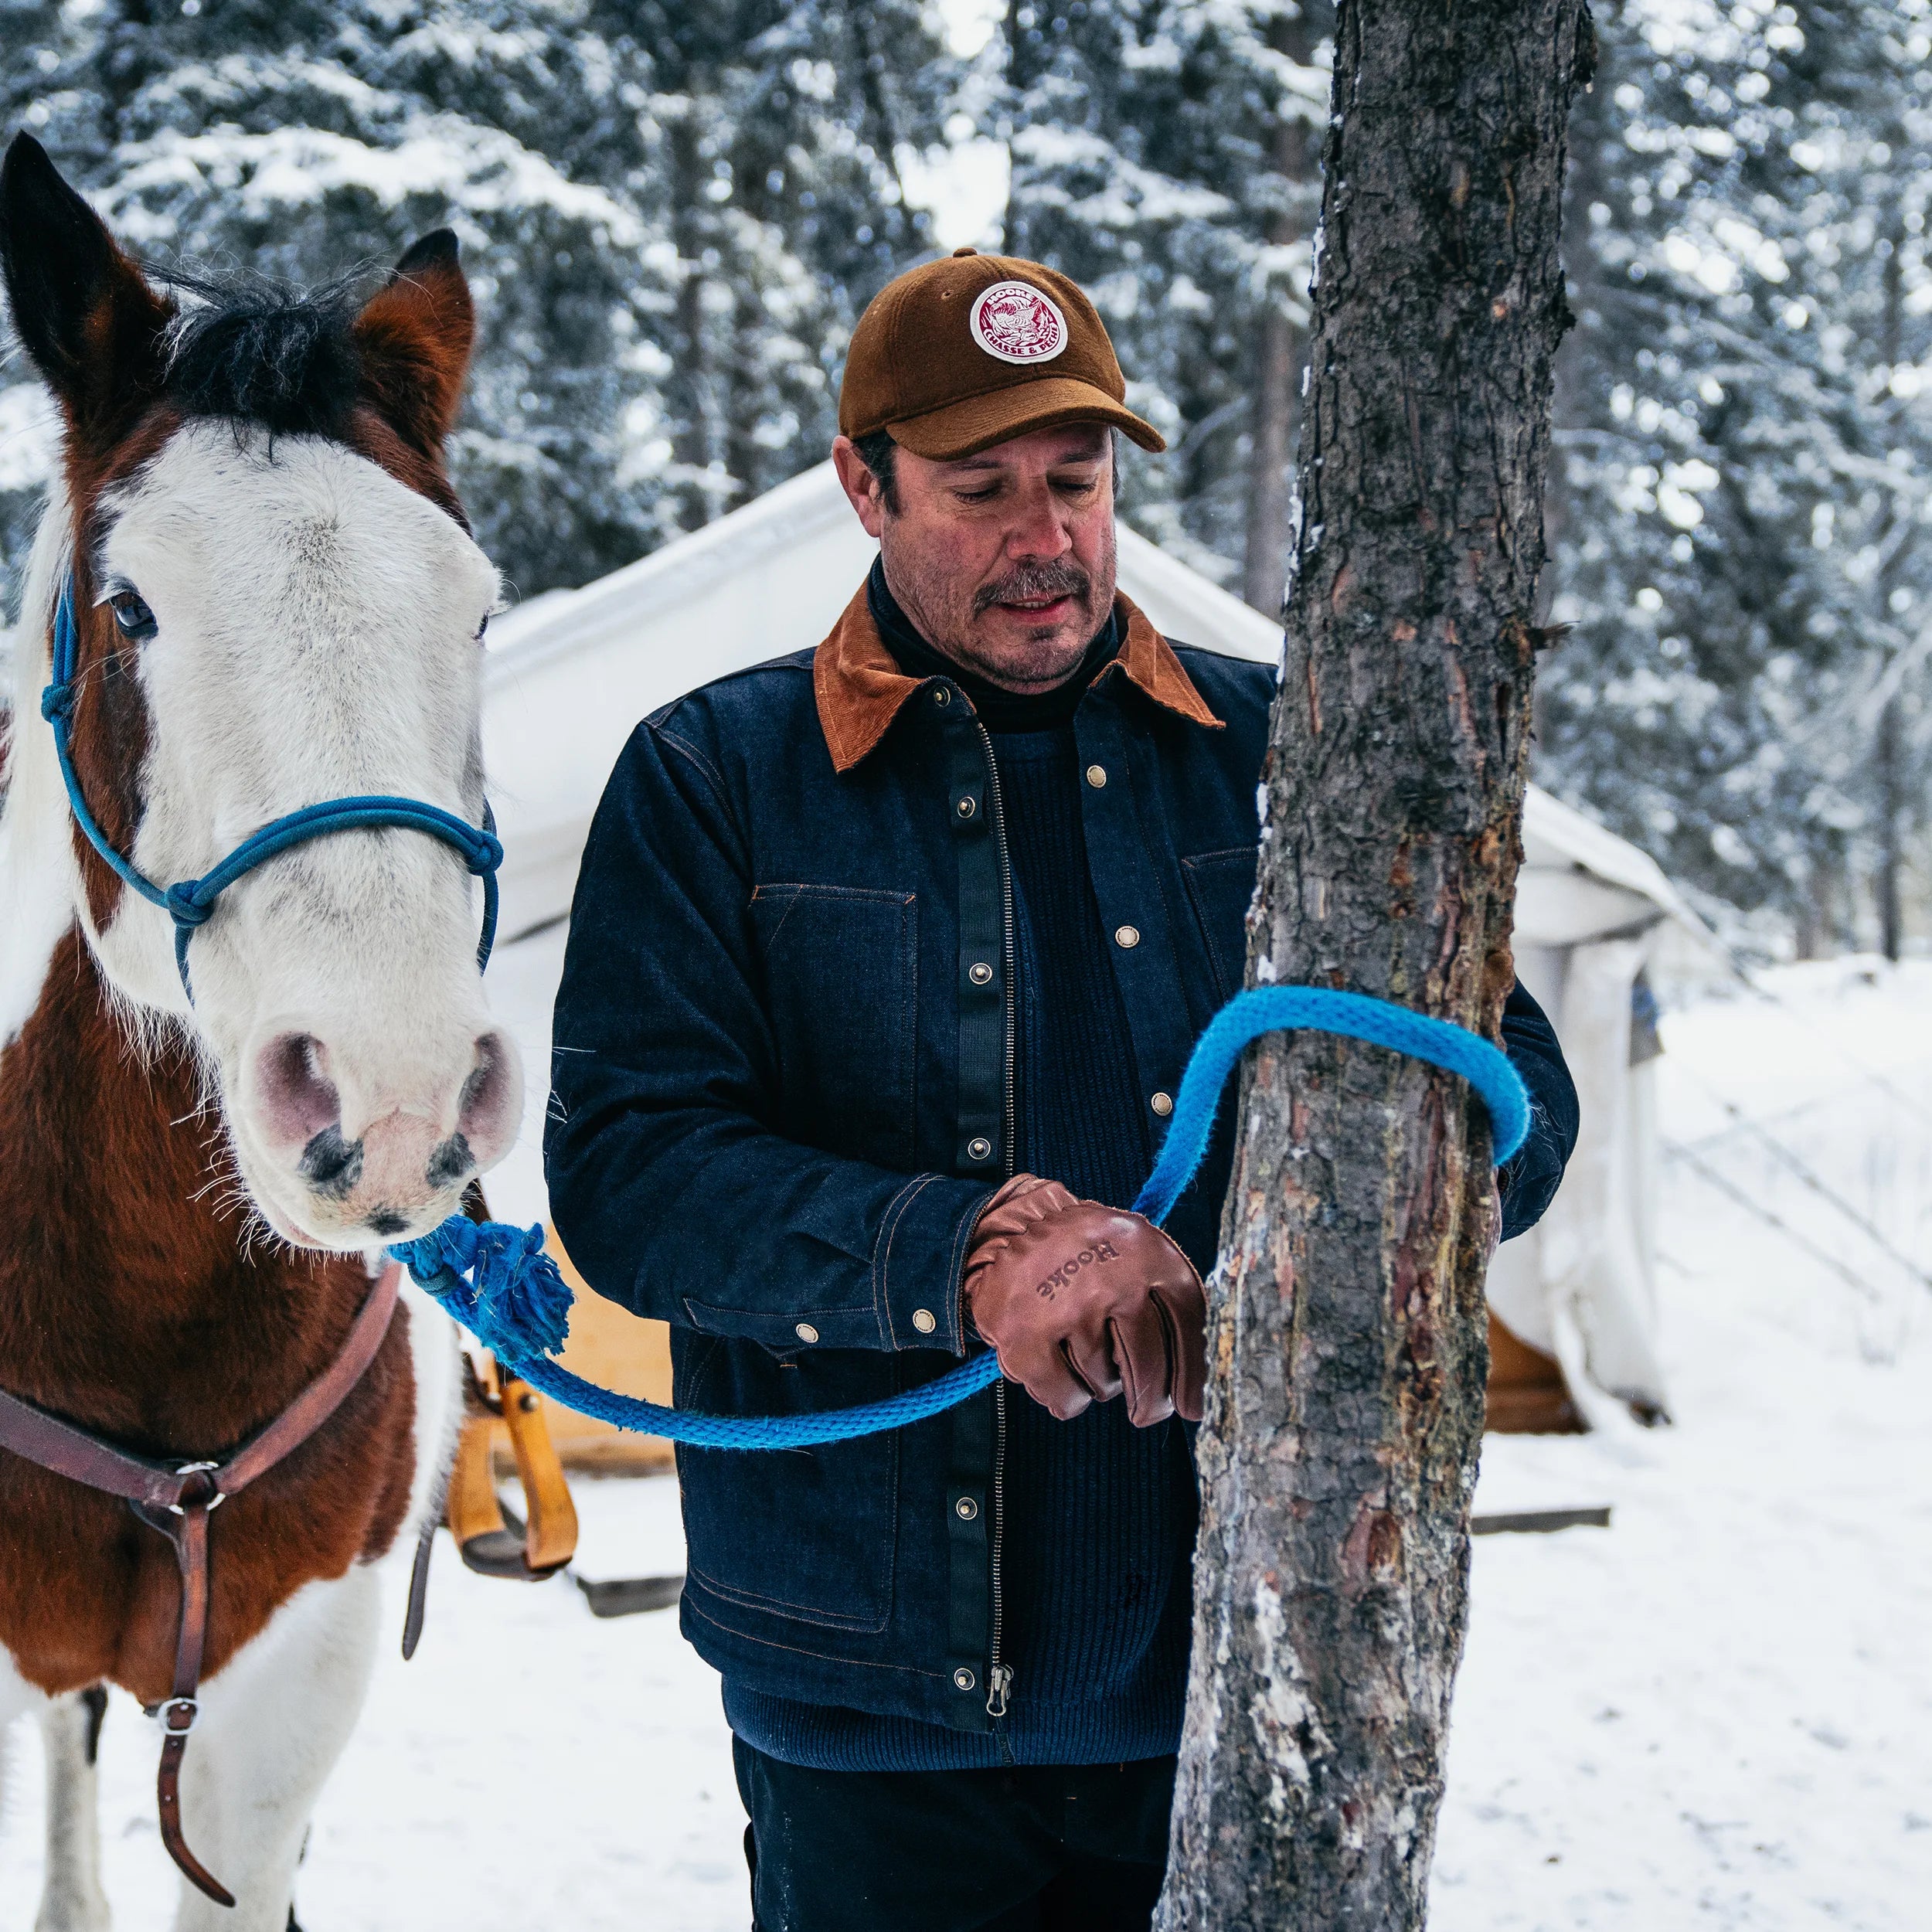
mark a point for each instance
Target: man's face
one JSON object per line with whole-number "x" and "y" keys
{"x": 1004, "y": 560}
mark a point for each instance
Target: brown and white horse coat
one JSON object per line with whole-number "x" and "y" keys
{"x": 279, "y": 604}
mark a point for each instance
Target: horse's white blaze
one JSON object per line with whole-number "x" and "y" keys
{"x": 316, "y": 640}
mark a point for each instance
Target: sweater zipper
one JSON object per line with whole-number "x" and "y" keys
{"x": 999, "y": 1675}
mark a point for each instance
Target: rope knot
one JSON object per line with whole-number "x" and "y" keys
{"x": 57, "y": 702}
{"x": 184, "y": 908}
{"x": 485, "y": 853}
{"x": 497, "y": 1281}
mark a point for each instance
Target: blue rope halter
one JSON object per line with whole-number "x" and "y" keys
{"x": 192, "y": 902}
{"x": 496, "y": 1281}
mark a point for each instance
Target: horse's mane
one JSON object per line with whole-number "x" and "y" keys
{"x": 249, "y": 348}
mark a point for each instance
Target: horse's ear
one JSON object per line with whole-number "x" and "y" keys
{"x": 414, "y": 335}
{"x": 83, "y": 312}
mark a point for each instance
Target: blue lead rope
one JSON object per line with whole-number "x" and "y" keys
{"x": 499, "y": 1283}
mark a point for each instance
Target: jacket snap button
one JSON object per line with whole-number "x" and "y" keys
{"x": 1126, "y": 936}
{"x": 925, "y": 1321}
{"x": 980, "y": 1148}
{"x": 966, "y": 1508}
{"x": 942, "y": 697}
{"x": 966, "y": 807}
{"x": 1096, "y": 775}
{"x": 964, "y": 1679}
{"x": 979, "y": 972}
{"x": 806, "y": 1333}
{"x": 1162, "y": 1104}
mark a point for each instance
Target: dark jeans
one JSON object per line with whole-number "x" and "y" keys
{"x": 1051, "y": 1848}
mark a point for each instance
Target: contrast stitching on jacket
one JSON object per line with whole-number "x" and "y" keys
{"x": 896, "y": 1210}
{"x": 875, "y": 893}
{"x": 799, "y": 1650}
{"x": 692, "y": 1306}
{"x": 803, "y": 1613}
{"x": 871, "y": 895}
{"x": 713, "y": 776}
{"x": 713, "y": 779}
{"x": 817, "y": 1613}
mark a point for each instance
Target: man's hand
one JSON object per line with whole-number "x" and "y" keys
{"x": 1083, "y": 1300}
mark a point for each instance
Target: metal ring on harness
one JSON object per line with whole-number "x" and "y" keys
{"x": 191, "y": 903}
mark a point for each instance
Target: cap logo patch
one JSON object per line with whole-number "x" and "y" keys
{"x": 1015, "y": 322}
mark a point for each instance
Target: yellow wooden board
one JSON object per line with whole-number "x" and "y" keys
{"x": 616, "y": 1349}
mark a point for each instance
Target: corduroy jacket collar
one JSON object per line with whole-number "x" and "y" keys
{"x": 859, "y": 686}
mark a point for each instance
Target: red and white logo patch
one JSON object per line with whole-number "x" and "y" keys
{"x": 1015, "y": 322}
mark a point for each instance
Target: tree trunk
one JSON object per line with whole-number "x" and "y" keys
{"x": 1278, "y": 362}
{"x": 1347, "y": 1322}
{"x": 1890, "y": 894}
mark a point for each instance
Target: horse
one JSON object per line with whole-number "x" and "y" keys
{"x": 211, "y": 1124}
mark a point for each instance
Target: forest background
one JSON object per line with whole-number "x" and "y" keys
{"x": 673, "y": 214}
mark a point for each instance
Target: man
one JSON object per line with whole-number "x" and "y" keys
{"x": 885, "y": 963}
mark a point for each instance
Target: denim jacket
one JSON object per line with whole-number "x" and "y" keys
{"x": 782, "y": 1092}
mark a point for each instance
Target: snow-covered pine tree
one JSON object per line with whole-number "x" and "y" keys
{"x": 668, "y": 213}
{"x": 1741, "y": 532}
{"x": 306, "y": 140}
{"x": 1166, "y": 155}
{"x": 780, "y": 127}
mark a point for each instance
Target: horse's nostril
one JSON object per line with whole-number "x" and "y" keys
{"x": 492, "y": 1100}
{"x": 451, "y": 1162}
{"x": 298, "y": 1100}
{"x": 331, "y": 1165}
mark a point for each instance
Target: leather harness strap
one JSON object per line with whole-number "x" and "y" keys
{"x": 177, "y": 1499}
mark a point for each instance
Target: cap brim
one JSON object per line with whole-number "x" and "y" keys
{"x": 965, "y": 429}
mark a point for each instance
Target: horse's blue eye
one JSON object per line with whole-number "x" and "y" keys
{"x": 483, "y": 627}
{"x": 131, "y": 614}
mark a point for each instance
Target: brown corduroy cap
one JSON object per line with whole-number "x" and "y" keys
{"x": 961, "y": 354}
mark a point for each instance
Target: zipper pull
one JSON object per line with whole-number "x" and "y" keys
{"x": 1000, "y": 1678}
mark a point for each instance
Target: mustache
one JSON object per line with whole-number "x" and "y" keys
{"x": 1062, "y": 578}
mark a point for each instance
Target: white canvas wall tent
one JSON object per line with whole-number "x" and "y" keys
{"x": 571, "y": 672}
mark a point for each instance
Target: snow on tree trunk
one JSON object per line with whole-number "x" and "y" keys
{"x": 1347, "y": 1331}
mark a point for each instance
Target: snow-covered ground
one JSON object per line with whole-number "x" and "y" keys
{"x": 1718, "y": 1712}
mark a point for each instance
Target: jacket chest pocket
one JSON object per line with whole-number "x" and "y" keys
{"x": 1221, "y": 884}
{"x": 840, "y": 966}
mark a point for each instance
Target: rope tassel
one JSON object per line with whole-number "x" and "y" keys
{"x": 497, "y": 1281}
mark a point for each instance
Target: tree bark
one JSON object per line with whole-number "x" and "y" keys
{"x": 1890, "y": 881}
{"x": 1347, "y": 1319}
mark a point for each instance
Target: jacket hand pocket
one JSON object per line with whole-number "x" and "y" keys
{"x": 807, "y": 1534}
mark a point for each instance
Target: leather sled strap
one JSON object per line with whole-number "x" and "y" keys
{"x": 177, "y": 1499}
{"x": 542, "y": 1544}
{"x": 550, "y": 1530}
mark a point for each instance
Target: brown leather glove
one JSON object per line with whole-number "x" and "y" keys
{"x": 1083, "y": 1300}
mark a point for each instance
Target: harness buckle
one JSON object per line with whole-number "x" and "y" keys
{"x": 168, "y": 1706}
